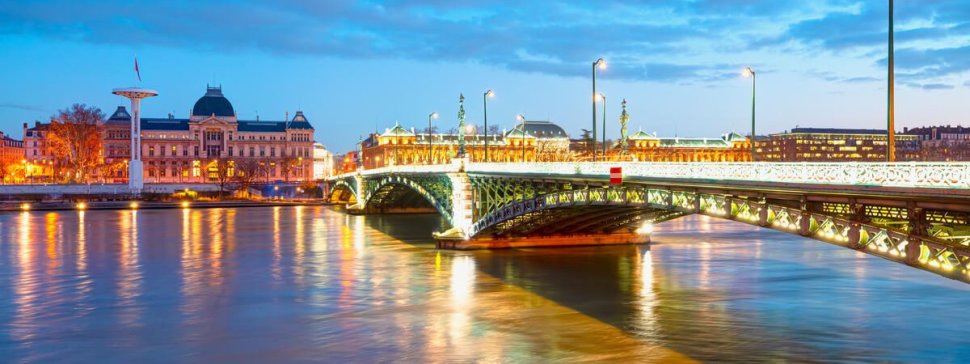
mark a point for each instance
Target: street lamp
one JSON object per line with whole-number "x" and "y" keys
{"x": 431, "y": 116}
{"x": 601, "y": 63}
{"x": 485, "y": 97}
{"x": 603, "y": 98}
{"x": 748, "y": 72}
{"x": 521, "y": 120}
{"x": 24, "y": 161}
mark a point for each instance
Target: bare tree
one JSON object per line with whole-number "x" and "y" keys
{"x": 287, "y": 162}
{"x": 246, "y": 172}
{"x": 75, "y": 140}
{"x": 225, "y": 170}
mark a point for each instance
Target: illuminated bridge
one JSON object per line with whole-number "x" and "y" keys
{"x": 912, "y": 213}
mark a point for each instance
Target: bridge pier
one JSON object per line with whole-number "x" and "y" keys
{"x": 543, "y": 241}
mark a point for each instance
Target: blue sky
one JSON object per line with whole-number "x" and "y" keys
{"x": 357, "y": 66}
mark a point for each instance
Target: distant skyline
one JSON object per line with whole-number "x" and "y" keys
{"x": 358, "y": 66}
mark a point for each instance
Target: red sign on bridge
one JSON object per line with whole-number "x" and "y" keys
{"x": 616, "y": 175}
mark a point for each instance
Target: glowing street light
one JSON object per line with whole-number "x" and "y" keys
{"x": 601, "y": 64}
{"x": 485, "y": 97}
{"x": 431, "y": 116}
{"x": 748, "y": 72}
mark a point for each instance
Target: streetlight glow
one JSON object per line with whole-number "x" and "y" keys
{"x": 601, "y": 63}
{"x": 433, "y": 115}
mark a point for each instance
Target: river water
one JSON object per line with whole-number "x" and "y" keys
{"x": 298, "y": 284}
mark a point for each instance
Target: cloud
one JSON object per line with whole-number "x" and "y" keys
{"x": 23, "y": 107}
{"x": 649, "y": 40}
{"x": 967, "y": 84}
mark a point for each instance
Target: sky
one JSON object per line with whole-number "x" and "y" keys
{"x": 356, "y": 67}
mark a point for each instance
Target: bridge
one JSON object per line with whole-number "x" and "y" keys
{"x": 912, "y": 213}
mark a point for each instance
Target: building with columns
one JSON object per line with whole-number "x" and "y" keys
{"x": 528, "y": 141}
{"x": 178, "y": 150}
{"x": 13, "y": 165}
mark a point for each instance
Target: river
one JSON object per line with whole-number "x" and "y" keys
{"x": 309, "y": 283}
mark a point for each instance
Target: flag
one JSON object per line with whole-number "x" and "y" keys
{"x": 136, "y": 69}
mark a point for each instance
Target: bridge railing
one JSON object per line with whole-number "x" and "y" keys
{"x": 955, "y": 175}
{"x": 906, "y": 174}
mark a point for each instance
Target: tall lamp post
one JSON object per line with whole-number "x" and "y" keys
{"x": 431, "y": 116}
{"x": 600, "y": 63}
{"x": 521, "y": 120}
{"x": 748, "y": 72}
{"x": 891, "y": 123}
{"x": 485, "y": 97}
{"x": 603, "y": 98}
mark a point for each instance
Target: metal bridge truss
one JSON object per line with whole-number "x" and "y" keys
{"x": 399, "y": 190}
{"x": 934, "y": 240}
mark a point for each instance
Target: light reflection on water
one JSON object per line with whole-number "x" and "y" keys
{"x": 308, "y": 283}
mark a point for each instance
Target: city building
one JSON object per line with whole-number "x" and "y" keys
{"x": 12, "y": 162}
{"x": 834, "y": 145}
{"x": 647, "y": 147}
{"x": 528, "y": 141}
{"x": 39, "y": 159}
{"x": 942, "y": 143}
{"x": 189, "y": 150}
{"x": 322, "y": 162}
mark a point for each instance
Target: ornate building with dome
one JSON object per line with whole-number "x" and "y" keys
{"x": 211, "y": 142}
{"x": 528, "y": 141}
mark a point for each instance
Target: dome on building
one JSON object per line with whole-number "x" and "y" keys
{"x": 540, "y": 129}
{"x": 213, "y": 103}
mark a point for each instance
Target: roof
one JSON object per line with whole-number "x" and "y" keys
{"x": 734, "y": 137}
{"x": 164, "y": 124}
{"x": 213, "y": 103}
{"x": 299, "y": 122}
{"x": 641, "y": 135}
{"x": 397, "y": 130}
{"x": 261, "y": 126}
{"x": 541, "y": 129}
{"x": 120, "y": 117}
{"x": 836, "y": 131}
{"x": 694, "y": 142}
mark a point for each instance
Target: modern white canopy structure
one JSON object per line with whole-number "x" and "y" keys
{"x": 135, "y": 94}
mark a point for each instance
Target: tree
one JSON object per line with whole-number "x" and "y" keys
{"x": 225, "y": 169}
{"x": 75, "y": 141}
{"x": 287, "y": 162}
{"x": 246, "y": 172}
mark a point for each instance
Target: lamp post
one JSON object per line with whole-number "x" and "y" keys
{"x": 433, "y": 115}
{"x": 601, "y": 63}
{"x": 521, "y": 120}
{"x": 485, "y": 97}
{"x": 748, "y": 72}
{"x": 603, "y": 98}
{"x": 890, "y": 112}
{"x": 25, "y": 170}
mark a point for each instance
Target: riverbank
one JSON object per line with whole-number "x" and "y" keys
{"x": 140, "y": 205}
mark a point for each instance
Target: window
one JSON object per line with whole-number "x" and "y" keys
{"x": 151, "y": 151}
{"x": 173, "y": 151}
{"x": 272, "y": 151}
{"x": 252, "y": 152}
{"x": 230, "y": 151}
{"x": 196, "y": 152}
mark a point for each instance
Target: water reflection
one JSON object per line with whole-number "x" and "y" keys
{"x": 305, "y": 283}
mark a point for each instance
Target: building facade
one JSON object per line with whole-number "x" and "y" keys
{"x": 322, "y": 162}
{"x": 942, "y": 143}
{"x": 646, "y": 147}
{"x": 528, "y": 141}
{"x": 834, "y": 145}
{"x": 207, "y": 146}
{"x": 13, "y": 164}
